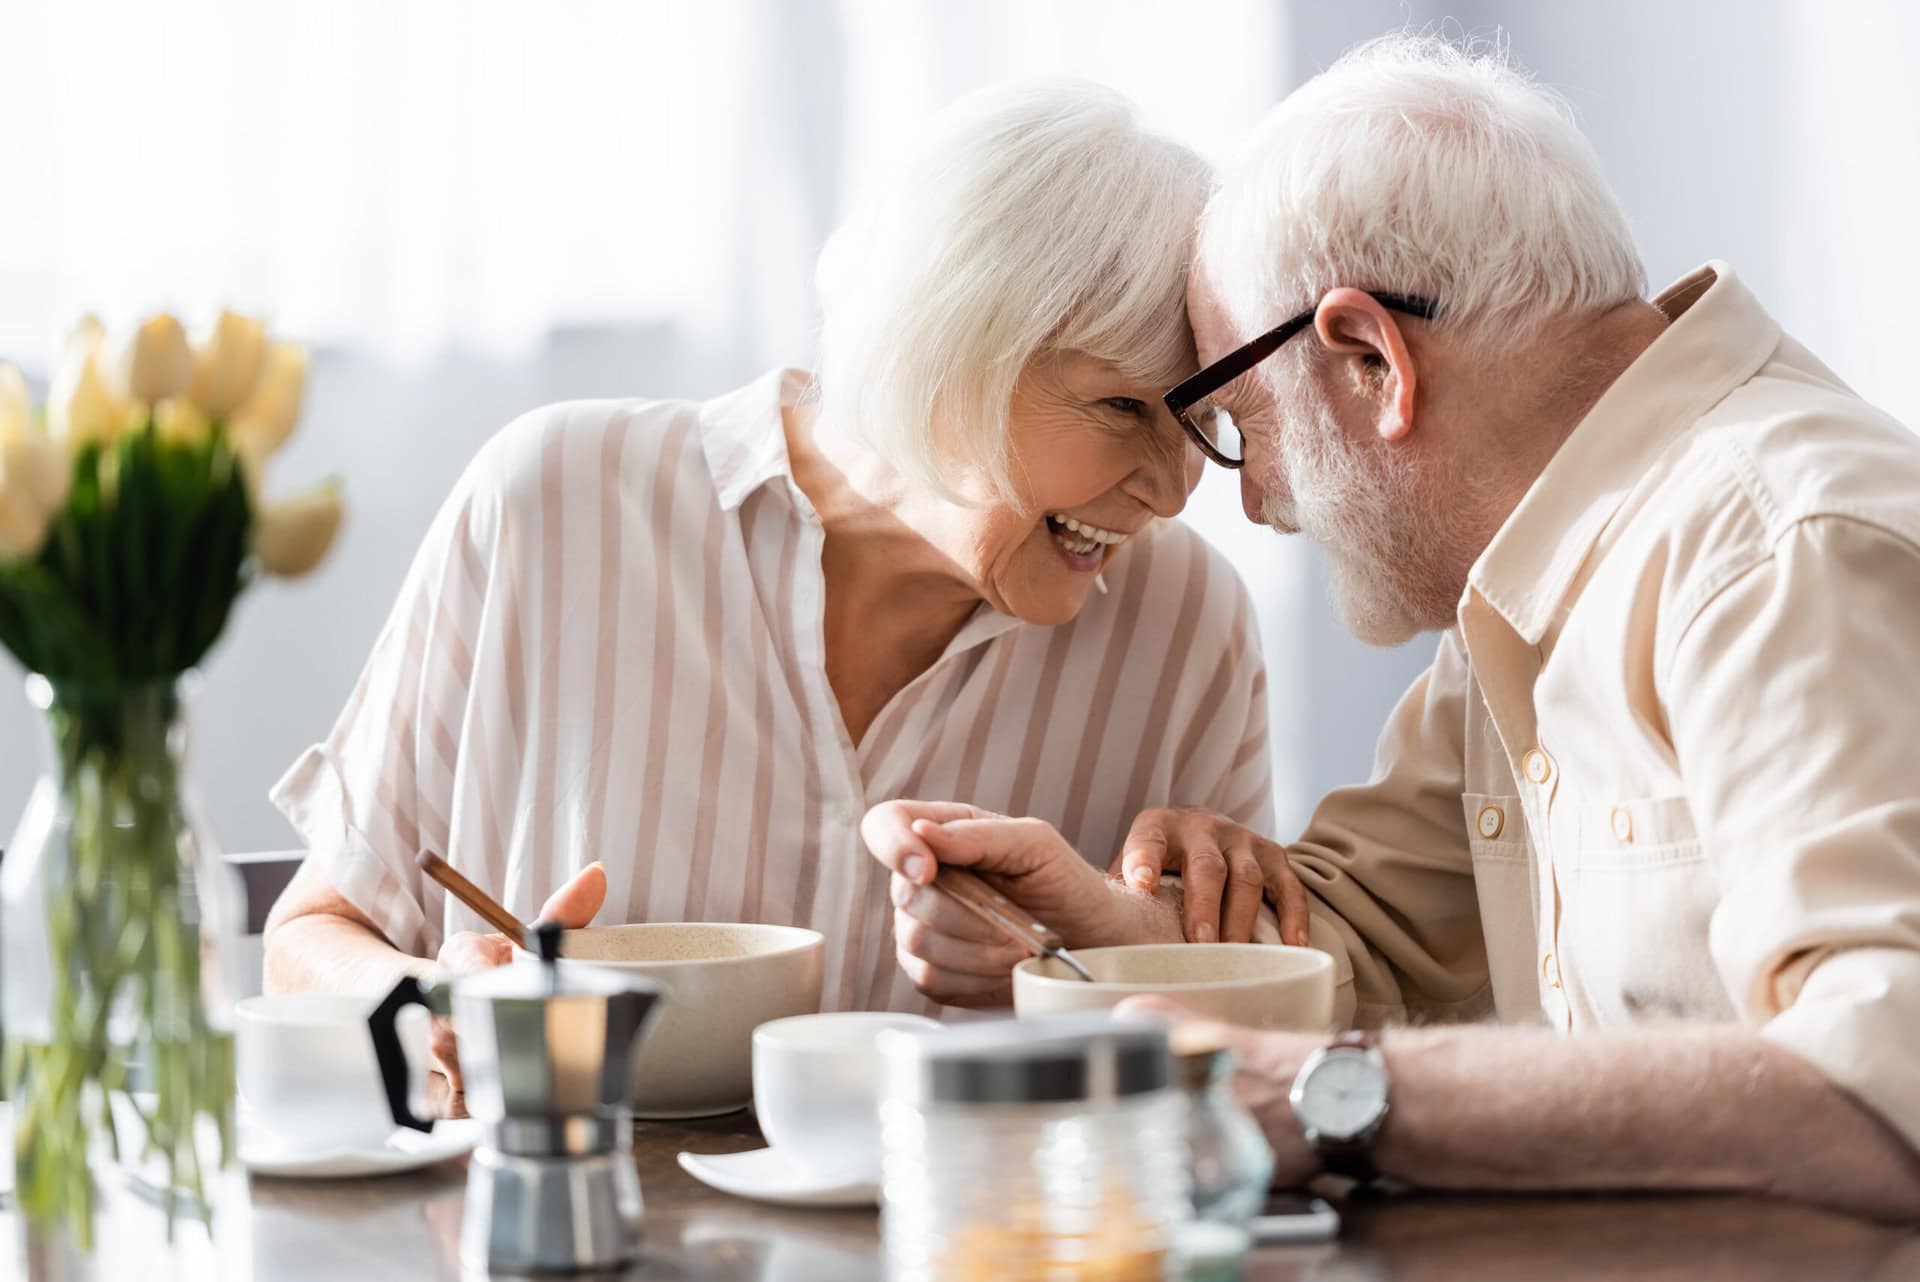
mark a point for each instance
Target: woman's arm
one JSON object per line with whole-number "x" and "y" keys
{"x": 317, "y": 941}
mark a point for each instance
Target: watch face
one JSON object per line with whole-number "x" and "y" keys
{"x": 1344, "y": 1095}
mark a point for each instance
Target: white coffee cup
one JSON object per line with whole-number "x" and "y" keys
{"x": 816, "y": 1089}
{"x": 307, "y": 1072}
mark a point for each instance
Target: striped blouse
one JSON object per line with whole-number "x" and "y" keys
{"x": 610, "y": 647}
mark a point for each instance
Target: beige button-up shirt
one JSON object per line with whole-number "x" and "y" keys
{"x": 1663, "y": 767}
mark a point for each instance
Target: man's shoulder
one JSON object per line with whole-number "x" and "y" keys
{"x": 1795, "y": 444}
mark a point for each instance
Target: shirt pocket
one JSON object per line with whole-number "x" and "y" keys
{"x": 1637, "y": 899}
{"x": 1503, "y": 884}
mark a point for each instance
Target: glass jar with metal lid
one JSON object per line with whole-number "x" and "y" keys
{"x": 1230, "y": 1161}
{"x": 1042, "y": 1148}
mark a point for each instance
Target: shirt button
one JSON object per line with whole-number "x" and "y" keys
{"x": 1550, "y": 971}
{"x": 1622, "y": 821}
{"x": 1492, "y": 820}
{"x": 1538, "y": 766}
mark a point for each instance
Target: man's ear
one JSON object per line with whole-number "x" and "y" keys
{"x": 1354, "y": 324}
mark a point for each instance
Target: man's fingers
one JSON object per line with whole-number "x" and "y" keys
{"x": 575, "y": 904}
{"x": 1288, "y": 895}
{"x": 1205, "y": 884}
{"x": 1246, "y": 889}
{"x": 1144, "y": 857}
{"x": 995, "y": 960}
{"x": 942, "y": 913}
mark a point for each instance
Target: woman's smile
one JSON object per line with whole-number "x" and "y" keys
{"x": 1081, "y": 544}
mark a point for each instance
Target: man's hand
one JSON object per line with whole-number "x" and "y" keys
{"x": 573, "y": 906}
{"x": 1264, "y": 1066}
{"x": 956, "y": 958}
{"x": 1226, "y": 871}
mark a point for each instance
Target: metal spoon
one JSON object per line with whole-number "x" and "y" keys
{"x": 977, "y": 897}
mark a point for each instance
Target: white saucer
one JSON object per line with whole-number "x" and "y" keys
{"x": 767, "y": 1175}
{"x": 264, "y": 1153}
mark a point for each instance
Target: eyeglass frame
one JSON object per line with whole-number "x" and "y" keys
{"x": 1190, "y": 392}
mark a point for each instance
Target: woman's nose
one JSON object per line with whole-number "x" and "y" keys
{"x": 1163, "y": 481}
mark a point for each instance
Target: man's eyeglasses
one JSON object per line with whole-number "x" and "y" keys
{"x": 1210, "y": 426}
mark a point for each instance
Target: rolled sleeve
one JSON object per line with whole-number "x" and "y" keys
{"x": 381, "y": 787}
{"x": 1787, "y": 693}
{"x": 1856, "y": 1017}
{"x": 316, "y": 800}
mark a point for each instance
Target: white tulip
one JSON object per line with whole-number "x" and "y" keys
{"x": 87, "y": 334}
{"x": 148, "y": 362}
{"x": 227, "y": 361}
{"x": 22, "y": 528}
{"x": 80, "y": 406}
{"x": 250, "y": 456}
{"x": 294, "y": 535}
{"x": 34, "y": 479}
{"x": 270, "y": 413}
{"x": 181, "y": 422}
{"x": 16, "y": 403}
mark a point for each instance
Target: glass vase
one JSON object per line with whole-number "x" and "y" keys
{"x": 119, "y": 951}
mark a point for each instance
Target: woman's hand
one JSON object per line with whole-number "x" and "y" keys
{"x": 1226, "y": 870}
{"x": 952, "y": 956}
{"x": 573, "y": 906}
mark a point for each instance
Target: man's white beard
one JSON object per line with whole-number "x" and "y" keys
{"x": 1365, "y": 513}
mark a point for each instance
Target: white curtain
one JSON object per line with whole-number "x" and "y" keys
{"x": 395, "y": 175}
{"x": 403, "y": 175}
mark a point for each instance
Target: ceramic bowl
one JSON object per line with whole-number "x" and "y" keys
{"x": 1261, "y": 985}
{"x": 719, "y": 982}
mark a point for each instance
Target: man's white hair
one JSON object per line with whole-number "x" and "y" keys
{"x": 1421, "y": 166}
{"x": 1032, "y": 218}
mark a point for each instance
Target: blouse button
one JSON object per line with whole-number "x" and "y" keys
{"x": 1538, "y": 766}
{"x": 1550, "y": 971}
{"x": 1492, "y": 820}
{"x": 1622, "y": 820}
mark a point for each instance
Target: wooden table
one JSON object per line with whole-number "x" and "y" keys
{"x": 406, "y": 1228}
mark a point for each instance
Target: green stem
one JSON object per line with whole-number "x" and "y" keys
{"x": 124, "y": 931}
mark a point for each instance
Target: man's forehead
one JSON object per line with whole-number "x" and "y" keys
{"x": 1214, "y": 334}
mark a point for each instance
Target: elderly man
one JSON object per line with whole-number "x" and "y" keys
{"x": 1653, "y": 792}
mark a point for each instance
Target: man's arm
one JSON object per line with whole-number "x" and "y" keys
{"x": 1672, "y": 1109}
{"x": 1384, "y": 870}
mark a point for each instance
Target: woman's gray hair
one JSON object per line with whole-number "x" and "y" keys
{"x": 1422, "y": 166}
{"x": 1032, "y": 218}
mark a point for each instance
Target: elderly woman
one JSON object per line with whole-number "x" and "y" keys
{"x": 666, "y": 654}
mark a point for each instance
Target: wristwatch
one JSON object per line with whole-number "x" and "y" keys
{"x": 1340, "y": 1100}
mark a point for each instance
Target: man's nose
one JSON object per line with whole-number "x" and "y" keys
{"x": 1252, "y": 500}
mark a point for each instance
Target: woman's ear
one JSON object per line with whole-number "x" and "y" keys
{"x": 1354, "y": 324}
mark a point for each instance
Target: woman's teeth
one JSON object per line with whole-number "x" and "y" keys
{"x": 1080, "y": 538}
